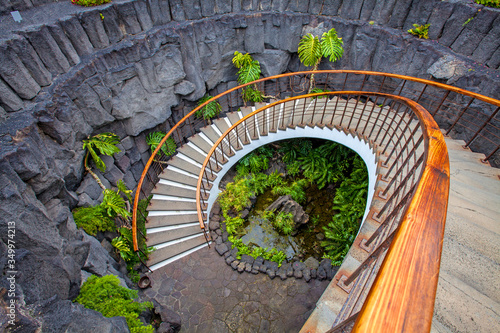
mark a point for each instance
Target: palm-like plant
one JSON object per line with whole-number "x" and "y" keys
{"x": 105, "y": 144}
{"x": 312, "y": 50}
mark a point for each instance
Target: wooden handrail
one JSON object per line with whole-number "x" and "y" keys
{"x": 276, "y": 77}
{"x": 402, "y": 296}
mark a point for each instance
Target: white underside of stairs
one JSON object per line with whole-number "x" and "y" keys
{"x": 468, "y": 294}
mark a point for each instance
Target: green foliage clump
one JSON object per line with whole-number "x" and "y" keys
{"x": 89, "y": 3}
{"x": 210, "y": 110}
{"x": 153, "y": 140}
{"x": 105, "y": 295}
{"x": 311, "y": 50}
{"x": 271, "y": 255}
{"x": 350, "y": 202}
{"x": 93, "y": 219}
{"x": 102, "y": 217}
{"x": 105, "y": 144}
{"x": 235, "y": 197}
{"x": 295, "y": 189}
{"x": 248, "y": 71}
{"x": 281, "y": 222}
{"x": 420, "y": 30}
{"x": 489, "y": 3}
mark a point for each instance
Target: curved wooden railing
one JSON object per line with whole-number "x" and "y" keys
{"x": 407, "y": 159}
{"x": 462, "y": 113}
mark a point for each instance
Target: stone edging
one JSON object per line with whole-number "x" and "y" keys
{"x": 297, "y": 269}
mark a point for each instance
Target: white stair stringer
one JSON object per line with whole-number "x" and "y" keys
{"x": 169, "y": 212}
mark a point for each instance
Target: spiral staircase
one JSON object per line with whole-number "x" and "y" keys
{"x": 389, "y": 121}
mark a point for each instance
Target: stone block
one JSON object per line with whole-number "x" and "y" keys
{"x": 113, "y": 175}
{"x": 254, "y": 35}
{"x": 128, "y": 15}
{"x": 486, "y": 48}
{"x": 94, "y": 27}
{"x": 351, "y": 9}
{"x": 90, "y": 187}
{"x": 383, "y": 11}
{"x": 64, "y": 44}
{"x": 134, "y": 155}
{"x": 207, "y": 8}
{"x": 130, "y": 180}
{"x": 141, "y": 9}
{"x": 111, "y": 24}
{"x": 494, "y": 61}
{"x": 467, "y": 42}
{"x": 184, "y": 88}
{"x": 76, "y": 34}
{"x": 8, "y": 99}
{"x": 137, "y": 169}
{"x": 192, "y": 9}
{"x": 123, "y": 163}
{"x": 453, "y": 26}
{"x": 273, "y": 62}
{"x": 177, "y": 10}
{"x": 160, "y": 11}
{"x": 48, "y": 50}
{"x": 438, "y": 18}
{"x": 14, "y": 73}
{"x": 223, "y": 6}
{"x": 31, "y": 60}
{"x": 87, "y": 101}
{"x": 147, "y": 75}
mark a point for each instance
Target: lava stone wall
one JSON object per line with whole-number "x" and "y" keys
{"x": 133, "y": 66}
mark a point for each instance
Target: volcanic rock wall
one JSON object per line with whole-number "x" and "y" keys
{"x": 133, "y": 66}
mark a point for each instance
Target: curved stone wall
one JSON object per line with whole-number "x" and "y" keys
{"x": 143, "y": 65}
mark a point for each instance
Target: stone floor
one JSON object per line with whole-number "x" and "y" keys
{"x": 211, "y": 297}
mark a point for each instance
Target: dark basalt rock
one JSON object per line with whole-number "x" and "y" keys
{"x": 288, "y": 205}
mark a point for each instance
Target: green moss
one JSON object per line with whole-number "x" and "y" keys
{"x": 105, "y": 295}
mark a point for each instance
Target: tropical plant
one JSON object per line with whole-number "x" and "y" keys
{"x": 282, "y": 222}
{"x": 350, "y": 202}
{"x": 154, "y": 139}
{"x": 489, "y": 3}
{"x": 105, "y": 144}
{"x": 93, "y": 219}
{"x": 234, "y": 225}
{"x": 291, "y": 150}
{"x": 105, "y": 295}
{"x": 419, "y": 30}
{"x": 312, "y": 50}
{"x": 296, "y": 189}
{"x": 102, "y": 217}
{"x": 89, "y": 3}
{"x": 210, "y": 110}
{"x": 248, "y": 71}
{"x": 235, "y": 197}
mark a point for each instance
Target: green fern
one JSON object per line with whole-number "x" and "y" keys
{"x": 210, "y": 110}
{"x": 154, "y": 139}
{"x": 421, "y": 31}
{"x": 105, "y": 143}
{"x": 248, "y": 71}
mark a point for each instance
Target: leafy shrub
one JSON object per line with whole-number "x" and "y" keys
{"x": 489, "y": 3}
{"x": 235, "y": 197}
{"x": 248, "y": 71}
{"x": 93, "y": 219}
{"x": 210, "y": 110}
{"x": 105, "y": 295}
{"x": 153, "y": 140}
{"x": 295, "y": 189}
{"x": 233, "y": 224}
{"x": 421, "y": 31}
{"x": 281, "y": 222}
{"x": 89, "y": 3}
{"x": 101, "y": 217}
{"x": 271, "y": 255}
{"x": 105, "y": 144}
{"x": 350, "y": 202}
